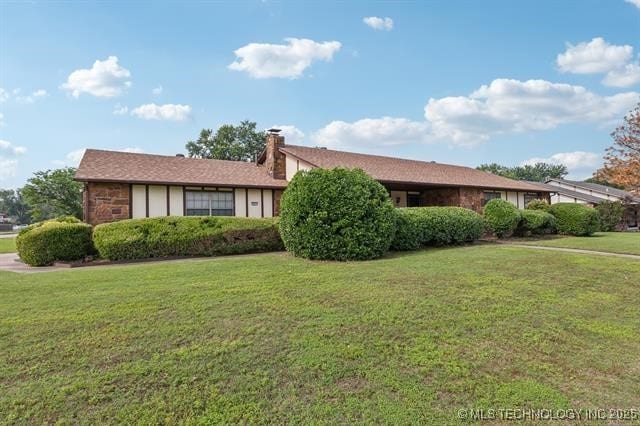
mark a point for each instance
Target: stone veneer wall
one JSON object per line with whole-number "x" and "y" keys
{"x": 106, "y": 202}
{"x": 276, "y": 161}
{"x": 471, "y": 198}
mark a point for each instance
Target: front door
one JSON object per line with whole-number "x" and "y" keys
{"x": 632, "y": 217}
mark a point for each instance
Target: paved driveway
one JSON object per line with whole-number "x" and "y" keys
{"x": 10, "y": 262}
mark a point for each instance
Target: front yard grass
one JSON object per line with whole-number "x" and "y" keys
{"x": 7, "y": 245}
{"x": 613, "y": 242}
{"x": 410, "y": 338}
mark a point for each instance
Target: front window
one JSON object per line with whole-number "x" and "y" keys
{"x": 490, "y": 195}
{"x": 209, "y": 203}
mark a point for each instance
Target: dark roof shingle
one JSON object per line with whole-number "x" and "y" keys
{"x": 114, "y": 166}
{"x": 398, "y": 170}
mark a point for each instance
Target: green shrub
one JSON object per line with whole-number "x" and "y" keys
{"x": 185, "y": 236}
{"x": 538, "y": 205}
{"x": 435, "y": 226}
{"x": 536, "y": 222}
{"x": 336, "y": 214}
{"x": 575, "y": 219}
{"x": 502, "y": 217}
{"x": 611, "y": 215}
{"x": 59, "y": 239}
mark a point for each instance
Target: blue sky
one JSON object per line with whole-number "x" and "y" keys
{"x": 458, "y": 82}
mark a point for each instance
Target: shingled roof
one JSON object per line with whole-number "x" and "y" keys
{"x": 398, "y": 170}
{"x": 114, "y": 166}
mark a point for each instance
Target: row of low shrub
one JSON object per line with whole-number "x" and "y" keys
{"x": 61, "y": 239}
{"x": 575, "y": 219}
{"x": 418, "y": 227}
{"x": 185, "y": 236}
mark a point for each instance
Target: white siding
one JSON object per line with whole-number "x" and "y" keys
{"x": 597, "y": 194}
{"x": 521, "y": 200}
{"x": 176, "y": 203}
{"x": 241, "y": 206}
{"x": 512, "y": 197}
{"x": 268, "y": 203}
{"x": 157, "y": 200}
{"x": 294, "y": 165}
{"x": 255, "y": 203}
{"x": 138, "y": 201}
{"x": 399, "y": 198}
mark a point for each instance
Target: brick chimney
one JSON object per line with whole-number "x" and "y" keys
{"x": 275, "y": 161}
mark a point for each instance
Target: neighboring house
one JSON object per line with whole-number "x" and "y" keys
{"x": 120, "y": 185}
{"x": 592, "y": 194}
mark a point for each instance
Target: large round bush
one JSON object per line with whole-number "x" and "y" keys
{"x": 536, "y": 222}
{"x": 435, "y": 226}
{"x": 336, "y": 214}
{"x": 575, "y": 219}
{"x": 63, "y": 239}
{"x": 502, "y": 217}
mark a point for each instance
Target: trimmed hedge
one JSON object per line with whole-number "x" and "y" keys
{"x": 536, "y": 222}
{"x": 418, "y": 227}
{"x": 336, "y": 214}
{"x": 538, "y": 205}
{"x": 502, "y": 217}
{"x": 575, "y": 219}
{"x": 61, "y": 239}
{"x": 185, "y": 236}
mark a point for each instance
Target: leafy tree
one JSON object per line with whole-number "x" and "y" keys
{"x": 53, "y": 193}
{"x": 622, "y": 159}
{"x": 611, "y": 214}
{"x": 13, "y": 204}
{"x": 238, "y": 143}
{"x": 538, "y": 172}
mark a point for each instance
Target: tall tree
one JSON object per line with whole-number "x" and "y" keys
{"x": 238, "y": 143}
{"x": 538, "y": 172}
{"x": 622, "y": 159}
{"x": 53, "y": 193}
{"x": 13, "y": 204}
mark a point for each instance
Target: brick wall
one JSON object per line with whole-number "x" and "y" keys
{"x": 471, "y": 198}
{"x": 440, "y": 197}
{"x": 275, "y": 161}
{"x": 106, "y": 202}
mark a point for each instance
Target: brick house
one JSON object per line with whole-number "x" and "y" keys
{"x": 120, "y": 185}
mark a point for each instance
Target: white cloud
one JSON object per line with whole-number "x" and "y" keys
{"x": 596, "y": 56}
{"x": 105, "y": 79}
{"x": 292, "y": 135}
{"x": 627, "y": 76}
{"x": 73, "y": 158}
{"x": 174, "y": 112}
{"x": 29, "y": 99}
{"x": 517, "y": 106}
{"x": 4, "y": 95}
{"x": 372, "y": 132}
{"x": 120, "y": 109}
{"x": 379, "y": 23}
{"x": 8, "y": 160}
{"x": 579, "y": 163}
{"x": 263, "y": 60}
{"x": 157, "y": 90}
{"x": 636, "y": 3}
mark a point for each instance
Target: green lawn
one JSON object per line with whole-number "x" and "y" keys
{"x": 614, "y": 242}
{"x": 410, "y": 338}
{"x": 7, "y": 245}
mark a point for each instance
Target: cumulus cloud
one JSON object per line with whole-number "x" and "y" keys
{"x": 263, "y": 60}
{"x": 376, "y": 23}
{"x": 579, "y": 163}
{"x": 627, "y": 76}
{"x": 372, "y": 132}
{"x": 8, "y": 158}
{"x": 105, "y": 79}
{"x": 157, "y": 90}
{"x": 173, "y": 112}
{"x": 73, "y": 158}
{"x": 29, "y": 99}
{"x": 517, "y": 106}
{"x": 601, "y": 57}
{"x": 292, "y": 134}
{"x": 596, "y": 56}
{"x": 636, "y": 3}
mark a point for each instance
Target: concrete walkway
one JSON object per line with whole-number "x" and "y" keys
{"x": 570, "y": 250}
{"x": 11, "y": 262}
{"x": 8, "y": 235}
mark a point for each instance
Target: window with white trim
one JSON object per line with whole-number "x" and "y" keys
{"x": 490, "y": 195}
{"x": 209, "y": 203}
